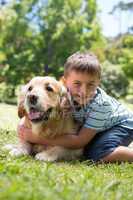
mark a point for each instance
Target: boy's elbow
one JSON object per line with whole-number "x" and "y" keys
{"x": 79, "y": 144}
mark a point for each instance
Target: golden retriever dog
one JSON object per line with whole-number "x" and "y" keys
{"x": 39, "y": 107}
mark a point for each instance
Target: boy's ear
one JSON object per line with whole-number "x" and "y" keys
{"x": 63, "y": 89}
{"x": 63, "y": 86}
{"x": 62, "y": 80}
{"x": 63, "y": 92}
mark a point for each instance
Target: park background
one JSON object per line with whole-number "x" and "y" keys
{"x": 36, "y": 37}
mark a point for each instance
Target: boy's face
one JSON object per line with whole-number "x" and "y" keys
{"x": 82, "y": 86}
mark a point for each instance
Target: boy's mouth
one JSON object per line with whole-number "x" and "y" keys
{"x": 82, "y": 102}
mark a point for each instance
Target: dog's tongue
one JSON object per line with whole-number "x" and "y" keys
{"x": 34, "y": 115}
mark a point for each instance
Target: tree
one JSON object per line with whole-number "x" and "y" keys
{"x": 114, "y": 81}
{"x": 66, "y": 27}
{"x": 38, "y": 35}
{"x": 17, "y": 42}
{"x": 120, "y": 52}
{"x": 122, "y": 6}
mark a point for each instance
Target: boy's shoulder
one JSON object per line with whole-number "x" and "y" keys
{"x": 102, "y": 102}
{"x": 101, "y": 98}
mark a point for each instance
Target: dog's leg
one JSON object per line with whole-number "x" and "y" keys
{"x": 58, "y": 153}
{"x": 9, "y": 147}
{"x": 52, "y": 154}
{"x": 19, "y": 150}
{"x": 72, "y": 154}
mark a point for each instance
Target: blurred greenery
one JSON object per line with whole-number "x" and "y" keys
{"x": 36, "y": 37}
{"x": 114, "y": 81}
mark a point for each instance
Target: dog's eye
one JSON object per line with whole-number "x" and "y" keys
{"x": 49, "y": 89}
{"x": 30, "y": 88}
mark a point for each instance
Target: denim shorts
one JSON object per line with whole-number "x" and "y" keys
{"x": 106, "y": 142}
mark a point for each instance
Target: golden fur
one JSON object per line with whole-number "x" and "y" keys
{"x": 40, "y": 107}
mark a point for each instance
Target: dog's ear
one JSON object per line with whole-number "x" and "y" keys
{"x": 21, "y": 99}
{"x": 65, "y": 106}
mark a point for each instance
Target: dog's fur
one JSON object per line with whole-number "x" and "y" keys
{"x": 40, "y": 108}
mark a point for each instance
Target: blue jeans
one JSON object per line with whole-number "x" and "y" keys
{"x": 106, "y": 142}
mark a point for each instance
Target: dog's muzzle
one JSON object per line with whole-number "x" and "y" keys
{"x": 38, "y": 116}
{"x": 32, "y": 99}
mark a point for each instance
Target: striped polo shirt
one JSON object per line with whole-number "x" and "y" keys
{"x": 103, "y": 112}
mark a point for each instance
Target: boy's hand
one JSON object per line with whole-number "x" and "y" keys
{"x": 25, "y": 134}
{"x": 65, "y": 107}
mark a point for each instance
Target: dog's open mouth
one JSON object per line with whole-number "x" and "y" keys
{"x": 36, "y": 116}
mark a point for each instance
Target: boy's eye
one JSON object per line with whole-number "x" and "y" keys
{"x": 77, "y": 84}
{"x": 91, "y": 86}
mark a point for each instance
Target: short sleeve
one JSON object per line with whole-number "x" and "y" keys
{"x": 97, "y": 117}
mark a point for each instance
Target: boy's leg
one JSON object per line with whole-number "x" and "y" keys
{"x": 110, "y": 146}
{"x": 120, "y": 154}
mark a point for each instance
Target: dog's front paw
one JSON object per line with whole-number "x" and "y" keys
{"x": 8, "y": 147}
{"x": 43, "y": 156}
{"x": 17, "y": 152}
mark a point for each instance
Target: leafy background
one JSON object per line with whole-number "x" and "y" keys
{"x": 36, "y": 37}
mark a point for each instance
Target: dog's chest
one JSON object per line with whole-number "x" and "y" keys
{"x": 54, "y": 128}
{"x": 39, "y": 129}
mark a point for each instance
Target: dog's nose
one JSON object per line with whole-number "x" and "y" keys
{"x": 33, "y": 99}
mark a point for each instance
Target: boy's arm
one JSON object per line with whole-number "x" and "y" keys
{"x": 84, "y": 136}
{"x": 69, "y": 141}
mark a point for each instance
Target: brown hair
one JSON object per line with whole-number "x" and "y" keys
{"x": 83, "y": 62}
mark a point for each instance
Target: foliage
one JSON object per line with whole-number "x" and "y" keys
{"x": 127, "y": 62}
{"x": 122, "y": 46}
{"x": 123, "y": 6}
{"x": 17, "y": 42}
{"x": 8, "y": 93}
{"x": 120, "y": 52}
{"x": 67, "y": 26}
{"x": 127, "y": 41}
{"x": 114, "y": 80}
{"x": 39, "y": 36}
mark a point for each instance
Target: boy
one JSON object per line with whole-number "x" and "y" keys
{"x": 107, "y": 126}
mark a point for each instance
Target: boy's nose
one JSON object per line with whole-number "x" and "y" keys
{"x": 83, "y": 91}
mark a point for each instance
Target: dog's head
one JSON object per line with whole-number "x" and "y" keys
{"x": 40, "y": 98}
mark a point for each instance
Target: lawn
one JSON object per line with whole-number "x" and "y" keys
{"x": 27, "y": 179}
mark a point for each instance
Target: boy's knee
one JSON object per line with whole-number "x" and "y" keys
{"x": 108, "y": 158}
{"x": 115, "y": 155}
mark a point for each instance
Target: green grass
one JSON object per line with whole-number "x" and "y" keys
{"x": 27, "y": 179}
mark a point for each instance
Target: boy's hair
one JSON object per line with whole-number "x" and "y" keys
{"x": 83, "y": 62}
